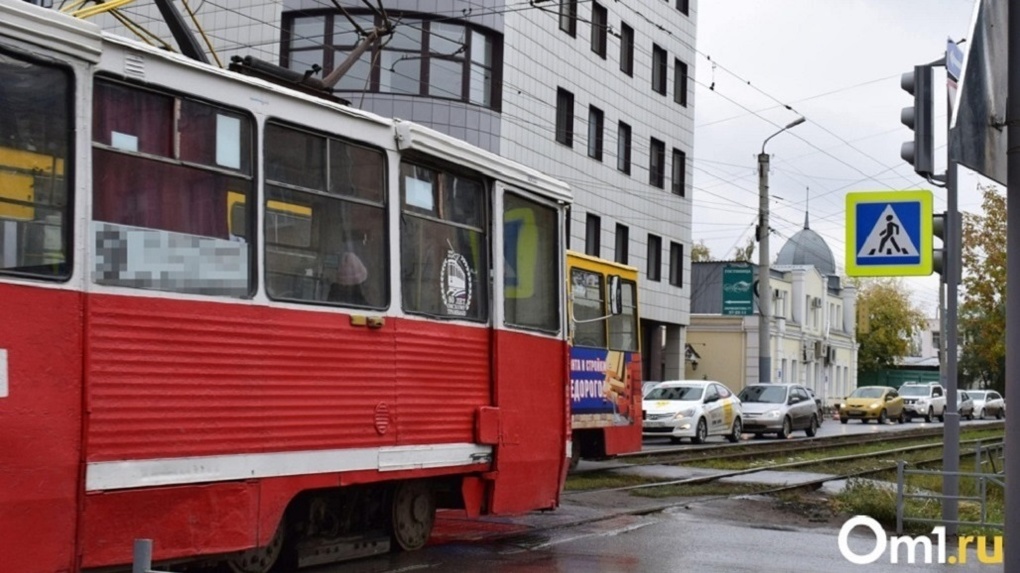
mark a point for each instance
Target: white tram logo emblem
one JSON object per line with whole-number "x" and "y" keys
{"x": 455, "y": 284}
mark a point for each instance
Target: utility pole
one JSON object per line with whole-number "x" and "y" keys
{"x": 764, "y": 284}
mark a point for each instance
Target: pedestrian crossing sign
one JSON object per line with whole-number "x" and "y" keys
{"x": 889, "y": 234}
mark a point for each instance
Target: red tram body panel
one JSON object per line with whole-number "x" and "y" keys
{"x": 40, "y": 426}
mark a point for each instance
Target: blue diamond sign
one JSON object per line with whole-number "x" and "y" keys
{"x": 889, "y": 234}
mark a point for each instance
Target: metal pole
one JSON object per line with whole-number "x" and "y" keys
{"x": 951, "y": 428}
{"x": 764, "y": 284}
{"x": 142, "y": 559}
{"x": 1011, "y": 557}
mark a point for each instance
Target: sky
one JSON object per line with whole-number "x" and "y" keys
{"x": 762, "y": 64}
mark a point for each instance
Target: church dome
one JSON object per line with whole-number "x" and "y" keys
{"x": 808, "y": 248}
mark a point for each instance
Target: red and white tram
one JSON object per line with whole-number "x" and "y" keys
{"x": 254, "y": 325}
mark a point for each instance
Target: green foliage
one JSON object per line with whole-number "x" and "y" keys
{"x": 982, "y": 318}
{"x": 886, "y": 325}
{"x": 878, "y": 500}
{"x": 700, "y": 252}
{"x": 746, "y": 252}
{"x": 866, "y": 497}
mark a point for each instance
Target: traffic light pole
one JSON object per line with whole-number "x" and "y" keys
{"x": 1011, "y": 561}
{"x": 919, "y": 153}
{"x": 951, "y": 427}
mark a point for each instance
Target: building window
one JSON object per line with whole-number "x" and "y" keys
{"x": 658, "y": 69}
{"x": 656, "y": 164}
{"x": 676, "y": 264}
{"x": 626, "y": 49}
{"x": 623, "y": 148}
{"x": 595, "y": 132}
{"x": 422, "y": 58}
{"x": 684, "y": 6}
{"x": 680, "y": 82}
{"x": 592, "y": 235}
{"x": 622, "y": 243}
{"x": 936, "y": 340}
{"x": 568, "y": 17}
{"x": 564, "y": 117}
{"x": 654, "y": 257}
{"x": 679, "y": 172}
{"x": 599, "y": 24}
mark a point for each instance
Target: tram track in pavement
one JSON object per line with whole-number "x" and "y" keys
{"x": 777, "y": 448}
{"x": 810, "y": 483}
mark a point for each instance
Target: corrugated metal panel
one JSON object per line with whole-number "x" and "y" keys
{"x": 443, "y": 376}
{"x": 169, "y": 378}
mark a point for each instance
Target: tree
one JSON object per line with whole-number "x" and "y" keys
{"x": 887, "y": 324}
{"x": 700, "y": 252}
{"x": 744, "y": 253}
{"x": 982, "y": 318}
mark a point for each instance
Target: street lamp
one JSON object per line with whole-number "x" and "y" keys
{"x": 764, "y": 285}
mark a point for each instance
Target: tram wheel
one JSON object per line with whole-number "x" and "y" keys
{"x": 260, "y": 559}
{"x": 414, "y": 513}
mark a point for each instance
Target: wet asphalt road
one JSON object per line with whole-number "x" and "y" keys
{"x": 718, "y": 536}
{"x": 701, "y": 538}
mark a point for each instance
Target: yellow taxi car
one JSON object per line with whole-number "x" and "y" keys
{"x": 694, "y": 409}
{"x": 879, "y": 403}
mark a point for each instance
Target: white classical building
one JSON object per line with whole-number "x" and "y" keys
{"x": 812, "y": 333}
{"x": 596, "y": 93}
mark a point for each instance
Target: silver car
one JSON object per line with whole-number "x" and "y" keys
{"x": 987, "y": 403}
{"x": 779, "y": 408}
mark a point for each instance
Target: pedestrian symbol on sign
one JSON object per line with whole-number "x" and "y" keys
{"x": 888, "y": 234}
{"x": 887, "y": 239}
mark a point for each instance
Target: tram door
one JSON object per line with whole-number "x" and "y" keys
{"x": 530, "y": 357}
{"x": 40, "y": 316}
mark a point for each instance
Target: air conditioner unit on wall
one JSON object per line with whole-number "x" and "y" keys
{"x": 816, "y": 302}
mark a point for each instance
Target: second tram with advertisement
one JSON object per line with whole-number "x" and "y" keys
{"x": 256, "y": 326}
{"x": 605, "y": 358}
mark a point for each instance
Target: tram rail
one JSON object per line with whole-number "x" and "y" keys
{"x": 768, "y": 453}
{"x": 765, "y": 448}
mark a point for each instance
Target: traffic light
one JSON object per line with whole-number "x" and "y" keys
{"x": 938, "y": 255}
{"x": 920, "y": 118}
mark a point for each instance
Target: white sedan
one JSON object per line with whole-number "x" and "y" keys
{"x": 987, "y": 403}
{"x": 694, "y": 409}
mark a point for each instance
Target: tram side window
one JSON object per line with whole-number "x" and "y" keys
{"x": 588, "y": 296}
{"x": 35, "y": 144}
{"x": 443, "y": 244}
{"x": 325, "y": 223}
{"x": 170, "y": 176}
{"x": 530, "y": 257}
{"x": 623, "y": 328}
